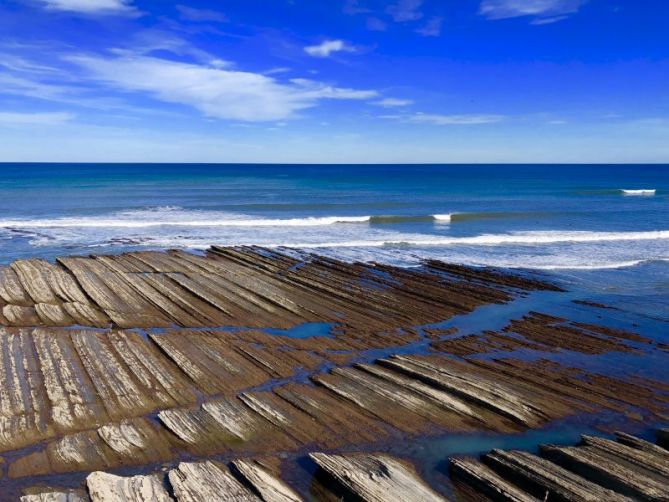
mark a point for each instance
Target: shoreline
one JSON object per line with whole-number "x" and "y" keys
{"x": 126, "y": 363}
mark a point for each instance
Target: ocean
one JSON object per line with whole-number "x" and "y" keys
{"x": 581, "y": 224}
{"x": 572, "y": 225}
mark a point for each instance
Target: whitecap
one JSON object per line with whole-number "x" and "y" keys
{"x": 637, "y": 192}
{"x": 520, "y": 238}
{"x": 442, "y": 218}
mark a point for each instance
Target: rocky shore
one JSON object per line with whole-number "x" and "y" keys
{"x": 175, "y": 376}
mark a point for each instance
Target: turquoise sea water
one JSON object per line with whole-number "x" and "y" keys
{"x": 571, "y": 220}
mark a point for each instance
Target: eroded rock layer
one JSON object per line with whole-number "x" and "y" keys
{"x": 597, "y": 469}
{"x": 368, "y": 477}
{"x": 169, "y": 358}
{"x": 247, "y": 287}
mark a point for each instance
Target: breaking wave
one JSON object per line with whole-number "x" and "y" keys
{"x": 397, "y": 219}
{"x": 642, "y": 192}
{"x": 175, "y": 217}
{"x": 390, "y": 238}
{"x": 519, "y": 238}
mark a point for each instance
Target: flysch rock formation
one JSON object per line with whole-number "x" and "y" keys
{"x": 148, "y": 358}
{"x": 597, "y": 469}
{"x": 269, "y": 487}
{"x": 546, "y": 333}
{"x": 376, "y": 478}
{"x": 104, "y": 487}
{"x": 56, "y": 496}
{"x": 246, "y": 287}
{"x": 368, "y": 477}
{"x": 593, "y": 471}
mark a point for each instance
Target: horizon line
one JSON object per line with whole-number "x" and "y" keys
{"x": 665, "y": 163}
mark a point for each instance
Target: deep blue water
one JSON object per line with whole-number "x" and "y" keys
{"x": 574, "y": 219}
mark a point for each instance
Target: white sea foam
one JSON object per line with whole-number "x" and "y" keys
{"x": 367, "y": 239}
{"x": 519, "y": 238}
{"x": 643, "y": 191}
{"x": 591, "y": 266}
{"x": 171, "y": 216}
{"x": 140, "y": 219}
{"x": 442, "y": 218}
{"x": 576, "y": 256}
{"x": 383, "y": 239}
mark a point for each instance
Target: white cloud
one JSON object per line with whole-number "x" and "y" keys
{"x": 10, "y": 84}
{"x": 432, "y": 28}
{"x": 152, "y": 40}
{"x": 328, "y": 47}
{"x": 503, "y": 9}
{"x": 58, "y": 93}
{"x": 220, "y": 63}
{"x": 444, "y": 120}
{"x": 20, "y": 118}
{"x": 427, "y": 118}
{"x": 548, "y": 20}
{"x": 406, "y": 10}
{"x": 20, "y": 64}
{"x": 193, "y": 14}
{"x": 216, "y": 92}
{"x": 392, "y": 102}
{"x": 92, "y": 6}
{"x": 318, "y": 90}
{"x": 277, "y": 70}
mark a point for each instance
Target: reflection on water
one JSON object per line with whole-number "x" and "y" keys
{"x": 305, "y": 330}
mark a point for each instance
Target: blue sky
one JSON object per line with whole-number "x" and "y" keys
{"x": 334, "y": 80}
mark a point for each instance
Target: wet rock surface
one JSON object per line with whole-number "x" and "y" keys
{"x": 598, "y": 469}
{"x": 207, "y": 364}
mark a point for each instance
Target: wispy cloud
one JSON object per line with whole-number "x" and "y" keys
{"x": 96, "y": 7}
{"x": 405, "y": 10}
{"x": 277, "y": 70}
{"x": 193, "y": 14}
{"x": 432, "y": 28}
{"x": 548, "y": 9}
{"x": 353, "y": 7}
{"x": 327, "y": 48}
{"x": 216, "y": 92}
{"x": 64, "y": 93}
{"x": 20, "y": 64}
{"x": 399, "y": 11}
{"x": 376, "y": 24}
{"x": 32, "y": 87}
{"x": 21, "y": 118}
{"x": 160, "y": 40}
{"x": 427, "y": 118}
{"x": 548, "y": 20}
{"x": 392, "y": 102}
{"x": 312, "y": 90}
{"x": 446, "y": 120}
